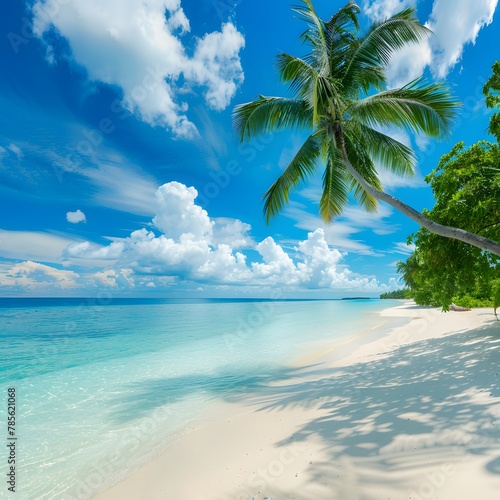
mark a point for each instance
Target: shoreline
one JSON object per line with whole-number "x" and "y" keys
{"x": 336, "y": 422}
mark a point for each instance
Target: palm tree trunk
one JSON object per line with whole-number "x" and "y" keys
{"x": 433, "y": 227}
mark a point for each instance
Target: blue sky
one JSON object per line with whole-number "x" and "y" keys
{"x": 120, "y": 172}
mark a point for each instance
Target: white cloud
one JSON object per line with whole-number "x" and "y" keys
{"x": 3, "y": 151}
{"x": 391, "y": 180}
{"x": 16, "y": 150}
{"x": 139, "y": 45}
{"x": 33, "y": 275}
{"x": 232, "y": 232}
{"x": 378, "y": 10}
{"x": 31, "y": 245}
{"x": 116, "y": 184}
{"x": 403, "y": 248}
{"x": 89, "y": 250}
{"x": 277, "y": 266}
{"x": 341, "y": 232}
{"x": 76, "y": 217}
{"x": 216, "y": 64}
{"x": 194, "y": 247}
{"x": 224, "y": 266}
{"x": 113, "y": 279}
{"x": 422, "y": 142}
{"x": 409, "y": 63}
{"x": 369, "y": 220}
{"x": 125, "y": 189}
{"x": 177, "y": 214}
{"x": 454, "y": 24}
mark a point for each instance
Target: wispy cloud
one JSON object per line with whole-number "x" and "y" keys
{"x": 391, "y": 181}
{"x": 403, "y": 248}
{"x": 16, "y": 150}
{"x": 32, "y": 245}
{"x": 115, "y": 182}
{"x": 340, "y": 232}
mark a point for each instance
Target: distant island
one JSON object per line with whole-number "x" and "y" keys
{"x": 396, "y": 294}
{"x": 356, "y": 298}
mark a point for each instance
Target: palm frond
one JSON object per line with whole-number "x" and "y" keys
{"x": 298, "y": 170}
{"x": 388, "y": 36}
{"x": 324, "y": 98}
{"x": 268, "y": 114}
{"x": 368, "y": 59}
{"x": 346, "y": 15}
{"x": 331, "y": 87}
{"x": 428, "y": 109}
{"x": 340, "y": 33}
{"x": 317, "y": 90}
{"x": 315, "y": 35}
{"x": 296, "y": 72}
{"x": 389, "y": 152}
{"x": 363, "y": 163}
{"x": 334, "y": 198}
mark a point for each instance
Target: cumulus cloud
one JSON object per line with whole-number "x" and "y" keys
{"x": 33, "y": 275}
{"x": 112, "y": 279}
{"x": 216, "y": 65}
{"x": 92, "y": 251}
{"x": 232, "y": 232}
{"x": 187, "y": 244}
{"x": 140, "y": 46}
{"x": 76, "y": 217}
{"x": 454, "y": 24}
{"x": 177, "y": 214}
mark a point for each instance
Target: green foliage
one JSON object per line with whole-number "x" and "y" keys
{"x": 397, "y": 294}
{"x": 338, "y": 95}
{"x": 466, "y": 186}
{"x": 491, "y": 90}
{"x": 468, "y": 301}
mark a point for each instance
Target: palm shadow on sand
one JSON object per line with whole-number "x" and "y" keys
{"x": 427, "y": 403}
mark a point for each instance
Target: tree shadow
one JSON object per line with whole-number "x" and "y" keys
{"x": 428, "y": 403}
{"x": 144, "y": 397}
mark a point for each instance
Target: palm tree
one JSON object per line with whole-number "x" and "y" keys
{"x": 339, "y": 95}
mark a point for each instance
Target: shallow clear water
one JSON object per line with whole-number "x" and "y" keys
{"x": 100, "y": 389}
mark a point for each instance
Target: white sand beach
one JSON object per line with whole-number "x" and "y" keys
{"x": 408, "y": 413}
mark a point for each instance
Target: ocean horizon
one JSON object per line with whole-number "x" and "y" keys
{"x": 103, "y": 388}
{"x": 105, "y": 301}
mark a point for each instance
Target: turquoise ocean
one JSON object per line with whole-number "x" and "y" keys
{"x": 102, "y": 388}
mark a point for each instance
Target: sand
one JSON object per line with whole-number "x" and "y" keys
{"x": 412, "y": 412}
